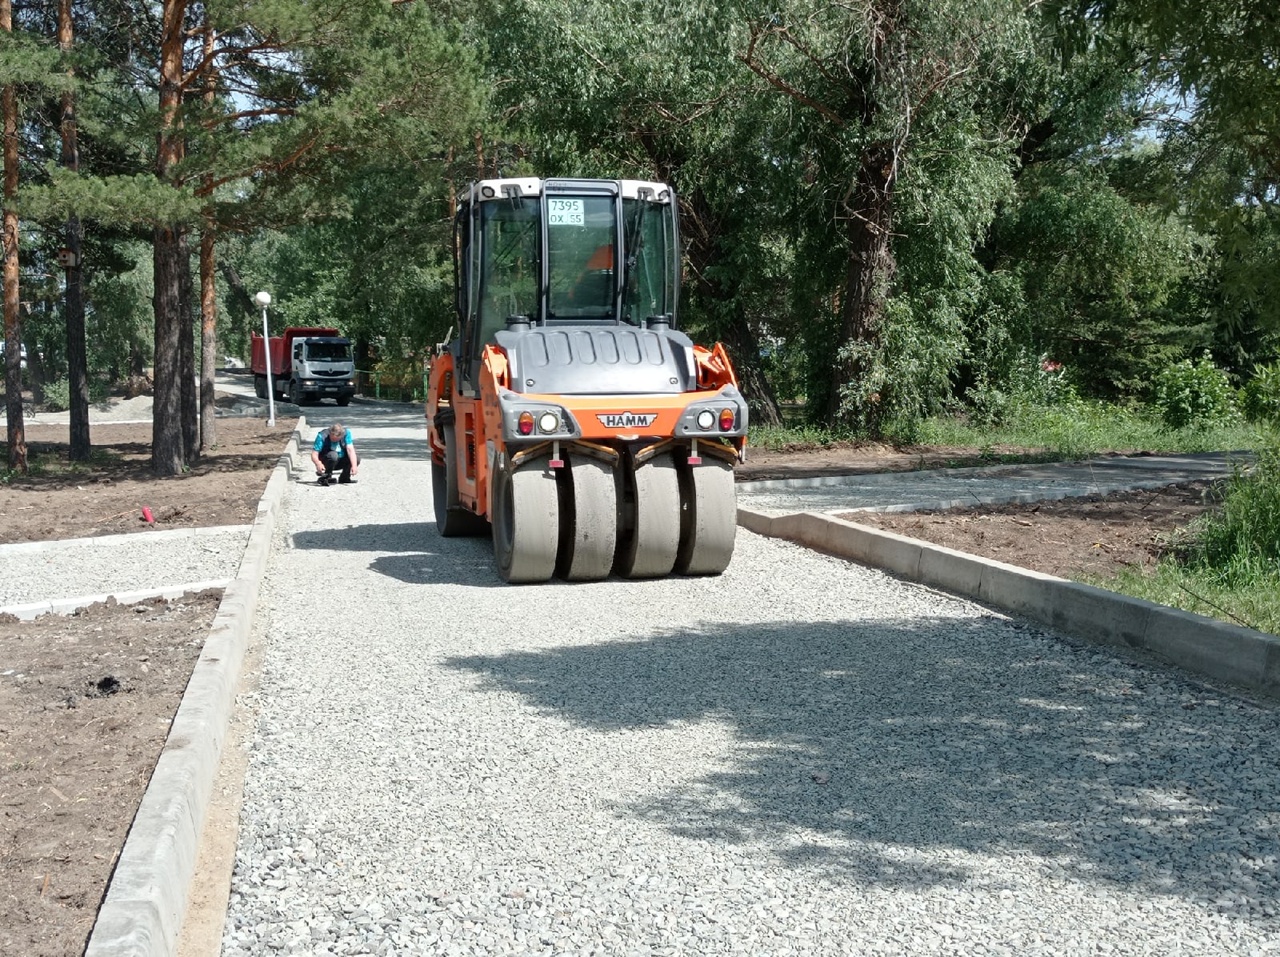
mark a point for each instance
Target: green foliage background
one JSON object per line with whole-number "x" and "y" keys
{"x": 1088, "y": 185}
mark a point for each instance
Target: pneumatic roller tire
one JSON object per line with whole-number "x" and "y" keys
{"x": 452, "y": 519}
{"x": 709, "y": 518}
{"x": 526, "y": 522}
{"x": 650, "y": 550}
{"x": 589, "y": 532}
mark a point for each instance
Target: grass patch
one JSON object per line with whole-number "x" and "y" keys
{"x": 1228, "y": 567}
{"x": 1079, "y": 429}
{"x": 1254, "y": 603}
{"x": 55, "y": 464}
{"x": 786, "y": 437}
{"x": 1072, "y": 430}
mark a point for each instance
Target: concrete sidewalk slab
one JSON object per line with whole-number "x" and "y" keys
{"x": 992, "y": 485}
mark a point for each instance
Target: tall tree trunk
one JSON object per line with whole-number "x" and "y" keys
{"x": 190, "y": 385}
{"x": 167, "y": 439}
{"x": 167, "y": 456}
{"x": 77, "y": 355}
{"x": 857, "y": 401}
{"x": 208, "y": 289}
{"x": 208, "y": 337}
{"x": 17, "y": 434}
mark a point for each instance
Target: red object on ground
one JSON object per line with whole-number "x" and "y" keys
{"x": 146, "y": 516}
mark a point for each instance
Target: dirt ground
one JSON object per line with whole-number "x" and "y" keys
{"x": 1079, "y": 538}
{"x": 106, "y": 496}
{"x": 85, "y": 701}
{"x": 85, "y": 705}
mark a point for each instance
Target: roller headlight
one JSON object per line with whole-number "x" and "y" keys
{"x": 706, "y": 420}
{"x": 548, "y": 422}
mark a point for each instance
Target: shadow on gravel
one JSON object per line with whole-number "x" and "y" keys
{"x": 422, "y": 556}
{"x": 393, "y": 536}
{"x": 853, "y": 765}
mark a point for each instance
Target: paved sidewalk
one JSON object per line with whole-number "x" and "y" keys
{"x": 950, "y": 488}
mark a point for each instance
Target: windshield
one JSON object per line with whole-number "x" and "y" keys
{"x": 651, "y": 277}
{"x": 503, "y": 269}
{"x": 328, "y": 351}
{"x": 508, "y": 263}
{"x": 581, "y": 231}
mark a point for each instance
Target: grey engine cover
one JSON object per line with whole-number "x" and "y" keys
{"x": 599, "y": 360}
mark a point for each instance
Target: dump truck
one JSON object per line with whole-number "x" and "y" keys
{"x": 570, "y": 418}
{"x": 307, "y": 363}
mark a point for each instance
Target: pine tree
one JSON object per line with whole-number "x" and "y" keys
{"x": 12, "y": 321}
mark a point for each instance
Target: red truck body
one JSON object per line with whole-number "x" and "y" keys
{"x": 281, "y": 347}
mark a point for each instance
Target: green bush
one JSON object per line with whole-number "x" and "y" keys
{"x": 57, "y": 396}
{"x": 1030, "y": 386}
{"x": 1260, "y": 398}
{"x": 1243, "y": 541}
{"x": 1188, "y": 393}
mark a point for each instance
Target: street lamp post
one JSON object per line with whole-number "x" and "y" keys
{"x": 263, "y": 299}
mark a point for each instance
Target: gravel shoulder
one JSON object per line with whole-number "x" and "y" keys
{"x": 802, "y": 756}
{"x": 532, "y": 775}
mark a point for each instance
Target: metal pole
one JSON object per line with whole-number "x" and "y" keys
{"x": 271, "y": 389}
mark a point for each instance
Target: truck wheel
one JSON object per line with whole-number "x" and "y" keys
{"x": 452, "y": 519}
{"x": 295, "y": 394}
{"x": 589, "y": 522}
{"x": 709, "y": 518}
{"x": 260, "y": 386}
{"x": 650, "y": 549}
{"x": 526, "y": 522}
{"x": 344, "y": 400}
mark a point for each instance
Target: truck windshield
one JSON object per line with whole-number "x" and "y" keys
{"x": 328, "y": 351}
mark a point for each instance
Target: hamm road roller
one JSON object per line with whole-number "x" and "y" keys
{"x": 570, "y": 417}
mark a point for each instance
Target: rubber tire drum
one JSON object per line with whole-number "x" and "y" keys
{"x": 453, "y": 520}
{"x": 589, "y": 517}
{"x": 526, "y": 522}
{"x": 650, "y": 551}
{"x": 709, "y": 518}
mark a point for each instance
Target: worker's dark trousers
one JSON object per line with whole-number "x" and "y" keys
{"x": 335, "y": 461}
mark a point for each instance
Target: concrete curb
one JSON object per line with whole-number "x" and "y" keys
{"x": 65, "y": 606}
{"x": 147, "y": 898}
{"x": 1223, "y": 652}
{"x": 106, "y": 541}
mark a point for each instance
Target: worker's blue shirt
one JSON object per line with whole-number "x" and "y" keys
{"x": 323, "y": 440}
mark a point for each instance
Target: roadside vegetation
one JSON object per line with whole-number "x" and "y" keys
{"x": 1226, "y": 564}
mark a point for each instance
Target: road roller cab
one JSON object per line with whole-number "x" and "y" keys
{"x": 571, "y": 419}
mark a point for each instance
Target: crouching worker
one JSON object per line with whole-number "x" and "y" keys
{"x": 335, "y": 451}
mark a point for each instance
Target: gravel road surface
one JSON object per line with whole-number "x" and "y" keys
{"x": 802, "y": 756}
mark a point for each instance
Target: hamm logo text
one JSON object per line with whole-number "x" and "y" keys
{"x": 627, "y": 420}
